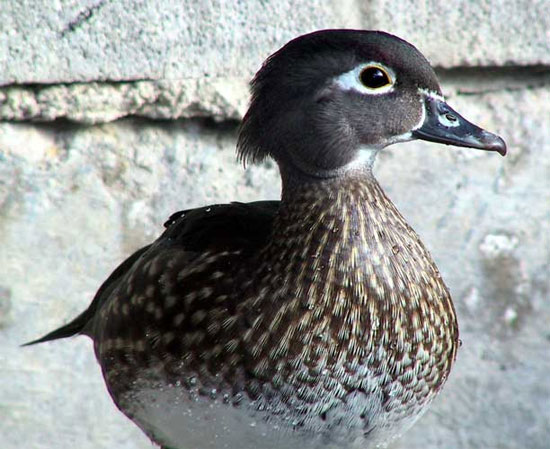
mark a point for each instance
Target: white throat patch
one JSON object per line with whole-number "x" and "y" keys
{"x": 365, "y": 158}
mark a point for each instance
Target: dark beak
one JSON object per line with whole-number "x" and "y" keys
{"x": 444, "y": 125}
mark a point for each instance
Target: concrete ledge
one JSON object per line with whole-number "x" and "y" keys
{"x": 219, "y": 99}
{"x": 90, "y": 103}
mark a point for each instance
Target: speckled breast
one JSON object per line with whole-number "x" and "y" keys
{"x": 337, "y": 333}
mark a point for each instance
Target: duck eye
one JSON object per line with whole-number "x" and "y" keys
{"x": 374, "y": 77}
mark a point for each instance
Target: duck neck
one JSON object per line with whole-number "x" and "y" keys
{"x": 349, "y": 195}
{"x": 342, "y": 212}
{"x": 343, "y": 263}
{"x": 296, "y": 172}
{"x": 349, "y": 230}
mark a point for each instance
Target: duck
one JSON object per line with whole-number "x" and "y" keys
{"x": 316, "y": 321}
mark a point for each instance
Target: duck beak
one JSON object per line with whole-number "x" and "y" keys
{"x": 443, "y": 124}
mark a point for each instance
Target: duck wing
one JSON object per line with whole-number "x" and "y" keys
{"x": 235, "y": 226}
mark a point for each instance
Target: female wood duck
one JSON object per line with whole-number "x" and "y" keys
{"x": 317, "y": 321}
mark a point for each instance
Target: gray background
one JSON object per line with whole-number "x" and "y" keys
{"x": 115, "y": 113}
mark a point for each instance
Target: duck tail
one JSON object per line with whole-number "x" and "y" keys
{"x": 74, "y": 327}
{"x": 81, "y": 324}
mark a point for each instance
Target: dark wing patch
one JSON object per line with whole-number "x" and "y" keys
{"x": 221, "y": 227}
{"x": 240, "y": 227}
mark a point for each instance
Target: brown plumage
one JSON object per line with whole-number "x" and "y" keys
{"x": 317, "y": 321}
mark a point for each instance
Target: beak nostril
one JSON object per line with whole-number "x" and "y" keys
{"x": 443, "y": 124}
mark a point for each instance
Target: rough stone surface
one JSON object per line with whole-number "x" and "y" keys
{"x": 219, "y": 99}
{"x": 98, "y": 40}
{"x": 78, "y": 195}
{"x": 468, "y": 33}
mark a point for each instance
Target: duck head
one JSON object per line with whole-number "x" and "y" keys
{"x": 330, "y": 100}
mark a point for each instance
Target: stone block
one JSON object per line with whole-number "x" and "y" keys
{"x": 468, "y": 32}
{"x": 100, "y": 40}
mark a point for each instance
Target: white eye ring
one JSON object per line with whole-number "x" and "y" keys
{"x": 352, "y": 80}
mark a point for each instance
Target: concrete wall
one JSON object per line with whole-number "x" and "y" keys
{"x": 115, "y": 113}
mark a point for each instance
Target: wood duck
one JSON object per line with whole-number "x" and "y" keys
{"x": 316, "y": 321}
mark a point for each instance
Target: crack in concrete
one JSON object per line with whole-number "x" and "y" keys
{"x": 472, "y": 71}
{"x": 82, "y": 17}
{"x": 226, "y": 127}
{"x": 538, "y": 73}
{"x": 483, "y": 80}
{"x": 38, "y": 86}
